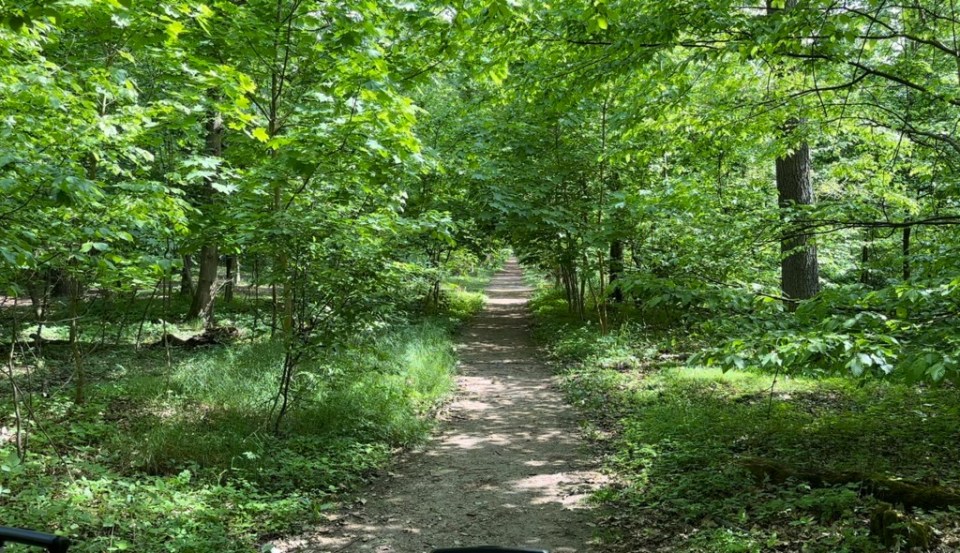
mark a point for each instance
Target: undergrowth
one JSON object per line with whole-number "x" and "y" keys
{"x": 179, "y": 455}
{"x": 677, "y": 439}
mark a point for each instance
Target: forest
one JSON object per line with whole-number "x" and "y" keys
{"x": 240, "y": 241}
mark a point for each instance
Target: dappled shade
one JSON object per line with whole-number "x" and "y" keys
{"x": 507, "y": 468}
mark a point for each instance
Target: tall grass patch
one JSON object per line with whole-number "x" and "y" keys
{"x": 179, "y": 453}
{"x": 213, "y": 410}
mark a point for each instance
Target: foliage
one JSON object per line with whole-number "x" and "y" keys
{"x": 352, "y": 163}
{"x": 675, "y": 435}
{"x": 646, "y": 189}
{"x": 176, "y": 454}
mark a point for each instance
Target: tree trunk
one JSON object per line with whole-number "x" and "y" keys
{"x": 73, "y": 302}
{"x": 799, "y": 270}
{"x": 906, "y": 253}
{"x": 865, "y": 276}
{"x": 203, "y": 298}
{"x": 231, "y": 278}
{"x": 20, "y": 435}
{"x": 800, "y": 274}
{"x": 582, "y": 295}
{"x": 186, "y": 276}
{"x": 286, "y": 321}
{"x": 616, "y": 269}
{"x": 60, "y": 283}
{"x": 81, "y": 375}
{"x": 37, "y": 288}
{"x": 870, "y": 275}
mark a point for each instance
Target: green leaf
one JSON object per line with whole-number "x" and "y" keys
{"x": 99, "y": 246}
{"x": 174, "y": 29}
{"x": 224, "y": 188}
{"x": 260, "y": 134}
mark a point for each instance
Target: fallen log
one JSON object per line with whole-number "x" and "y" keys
{"x": 897, "y": 492}
{"x": 34, "y": 340}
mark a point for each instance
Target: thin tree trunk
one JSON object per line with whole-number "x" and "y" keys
{"x": 186, "y": 276}
{"x": 37, "y": 288}
{"x": 906, "y": 253}
{"x": 81, "y": 375}
{"x": 20, "y": 437}
{"x": 865, "y": 277}
{"x": 75, "y": 289}
{"x": 582, "y": 295}
{"x": 273, "y": 309}
{"x": 146, "y": 313}
{"x": 256, "y": 298}
{"x": 231, "y": 278}
{"x": 616, "y": 269}
{"x": 283, "y": 269}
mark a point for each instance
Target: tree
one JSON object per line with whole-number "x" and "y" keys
{"x": 799, "y": 270}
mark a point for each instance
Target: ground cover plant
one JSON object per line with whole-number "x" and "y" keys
{"x": 198, "y": 199}
{"x": 695, "y": 451}
{"x": 173, "y": 448}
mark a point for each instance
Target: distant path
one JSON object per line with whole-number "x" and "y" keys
{"x": 507, "y": 467}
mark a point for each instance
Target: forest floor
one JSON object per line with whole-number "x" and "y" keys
{"x": 681, "y": 441}
{"x": 506, "y": 467}
{"x": 171, "y": 448}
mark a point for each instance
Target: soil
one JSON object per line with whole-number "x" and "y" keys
{"x": 507, "y": 467}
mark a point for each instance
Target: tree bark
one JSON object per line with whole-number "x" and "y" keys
{"x": 232, "y": 278}
{"x": 81, "y": 375}
{"x": 37, "y": 288}
{"x": 906, "y": 253}
{"x": 186, "y": 276}
{"x": 61, "y": 284}
{"x": 865, "y": 276}
{"x": 799, "y": 269}
{"x": 203, "y": 296}
{"x": 616, "y": 269}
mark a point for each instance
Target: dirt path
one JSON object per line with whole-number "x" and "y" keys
{"x": 506, "y": 468}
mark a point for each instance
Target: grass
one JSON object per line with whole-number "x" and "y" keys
{"x": 178, "y": 454}
{"x": 677, "y": 439}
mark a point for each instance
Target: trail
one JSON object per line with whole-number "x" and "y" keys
{"x": 507, "y": 466}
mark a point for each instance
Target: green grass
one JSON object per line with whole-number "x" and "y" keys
{"x": 675, "y": 437}
{"x": 181, "y": 456}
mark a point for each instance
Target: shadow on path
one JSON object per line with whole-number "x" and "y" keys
{"x": 507, "y": 468}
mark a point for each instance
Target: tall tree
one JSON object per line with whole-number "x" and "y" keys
{"x": 209, "y": 257}
{"x": 799, "y": 269}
